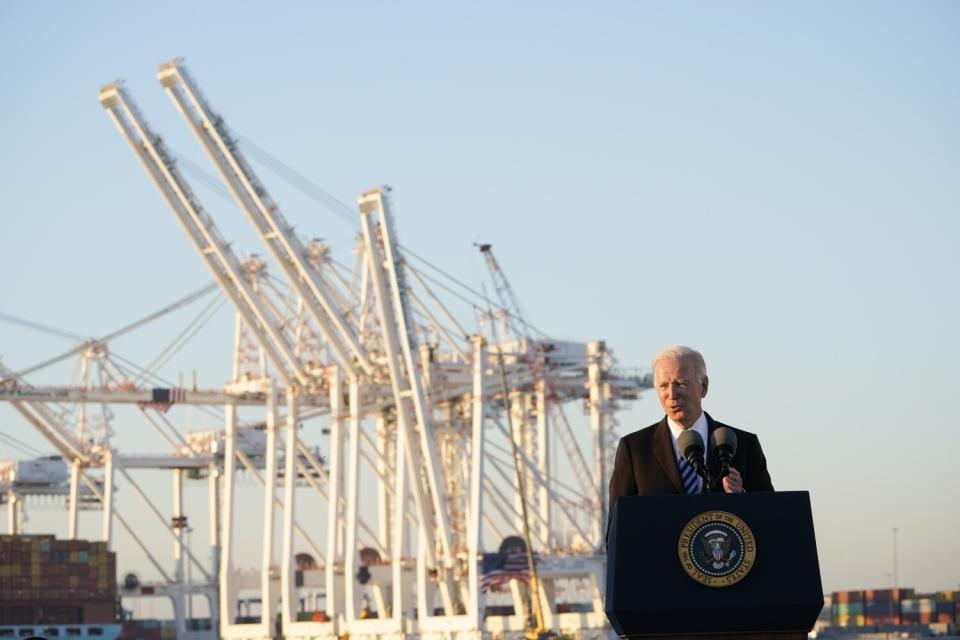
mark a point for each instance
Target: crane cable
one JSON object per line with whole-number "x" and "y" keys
{"x": 346, "y": 213}
{"x": 199, "y": 293}
{"x": 180, "y": 341}
{"x": 20, "y": 445}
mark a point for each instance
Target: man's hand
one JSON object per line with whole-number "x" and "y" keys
{"x": 733, "y": 483}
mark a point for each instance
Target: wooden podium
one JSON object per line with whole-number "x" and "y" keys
{"x": 718, "y": 565}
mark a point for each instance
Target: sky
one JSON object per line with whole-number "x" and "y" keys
{"x": 774, "y": 184}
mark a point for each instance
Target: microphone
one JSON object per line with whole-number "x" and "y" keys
{"x": 691, "y": 447}
{"x": 723, "y": 441}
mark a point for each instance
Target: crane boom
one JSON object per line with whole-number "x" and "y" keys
{"x": 202, "y": 232}
{"x": 211, "y": 131}
{"x": 508, "y": 299}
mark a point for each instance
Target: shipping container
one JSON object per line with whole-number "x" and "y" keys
{"x": 882, "y": 608}
{"x": 848, "y": 608}
{"x": 918, "y": 605}
{"x": 875, "y": 595}
{"x": 848, "y": 621}
{"x": 847, "y": 597}
{"x": 38, "y": 568}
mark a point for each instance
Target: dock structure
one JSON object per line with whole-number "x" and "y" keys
{"x": 445, "y": 494}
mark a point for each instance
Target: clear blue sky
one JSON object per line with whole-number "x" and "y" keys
{"x": 775, "y": 184}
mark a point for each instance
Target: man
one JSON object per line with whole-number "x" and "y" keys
{"x": 649, "y": 462}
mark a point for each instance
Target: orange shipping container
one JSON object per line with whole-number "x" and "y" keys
{"x": 847, "y": 597}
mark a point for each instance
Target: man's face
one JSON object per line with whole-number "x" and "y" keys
{"x": 679, "y": 389}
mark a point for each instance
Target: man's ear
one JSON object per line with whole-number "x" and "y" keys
{"x": 706, "y": 383}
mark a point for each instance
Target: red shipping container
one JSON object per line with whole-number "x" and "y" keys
{"x": 872, "y": 595}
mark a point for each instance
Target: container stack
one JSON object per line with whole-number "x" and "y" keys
{"x": 847, "y": 609}
{"x": 879, "y": 607}
{"x": 918, "y": 610}
{"x": 948, "y": 607}
{"x": 882, "y": 606}
{"x": 45, "y": 580}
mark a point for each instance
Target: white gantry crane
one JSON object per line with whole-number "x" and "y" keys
{"x": 410, "y": 521}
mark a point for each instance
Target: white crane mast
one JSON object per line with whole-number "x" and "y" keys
{"x": 407, "y": 382}
{"x": 200, "y": 229}
{"x": 211, "y": 131}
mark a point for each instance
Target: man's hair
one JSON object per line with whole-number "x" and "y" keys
{"x": 683, "y": 353}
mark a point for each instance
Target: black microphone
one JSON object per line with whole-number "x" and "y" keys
{"x": 723, "y": 442}
{"x": 691, "y": 447}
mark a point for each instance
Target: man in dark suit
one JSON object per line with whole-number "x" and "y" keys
{"x": 648, "y": 461}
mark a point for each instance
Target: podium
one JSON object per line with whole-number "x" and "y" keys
{"x": 726, "y": 565}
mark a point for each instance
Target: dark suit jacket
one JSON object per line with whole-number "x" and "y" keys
{"x": 646, "y": 464}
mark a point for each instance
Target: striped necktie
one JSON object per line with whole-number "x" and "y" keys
{"x": 691, "y": 481}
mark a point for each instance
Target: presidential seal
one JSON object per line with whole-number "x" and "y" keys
{"x": 717, "y": 549}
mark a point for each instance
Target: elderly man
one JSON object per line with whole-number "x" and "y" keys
{"x": 649, "y": 461}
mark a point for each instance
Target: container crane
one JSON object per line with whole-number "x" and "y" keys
{"x": 432, "y": 407}
{"x": 293, "y": 258}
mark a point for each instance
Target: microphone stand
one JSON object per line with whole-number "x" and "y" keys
{"x": 700, "y": 467}
{"x": 724, "y": 472}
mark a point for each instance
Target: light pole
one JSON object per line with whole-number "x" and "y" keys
{"x": 896, "y": 581}
{"x": 890, "y": 602}
{"x": 189, "y": 530}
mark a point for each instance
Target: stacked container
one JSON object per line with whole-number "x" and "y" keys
{"x": 44, "y": 580}
{"x": 918, "y": 610}
{"x": 847, "y": 609}
{"x": 948, "y": 607}
{"x": 882, "y": 606}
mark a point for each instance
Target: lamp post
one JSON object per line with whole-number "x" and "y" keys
{"x": 896, "y": 581}
{"x": 890, "y": 602}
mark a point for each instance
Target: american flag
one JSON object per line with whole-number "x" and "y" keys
{"x": 163, "y": 399}
{"x": 500, "y": 568}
